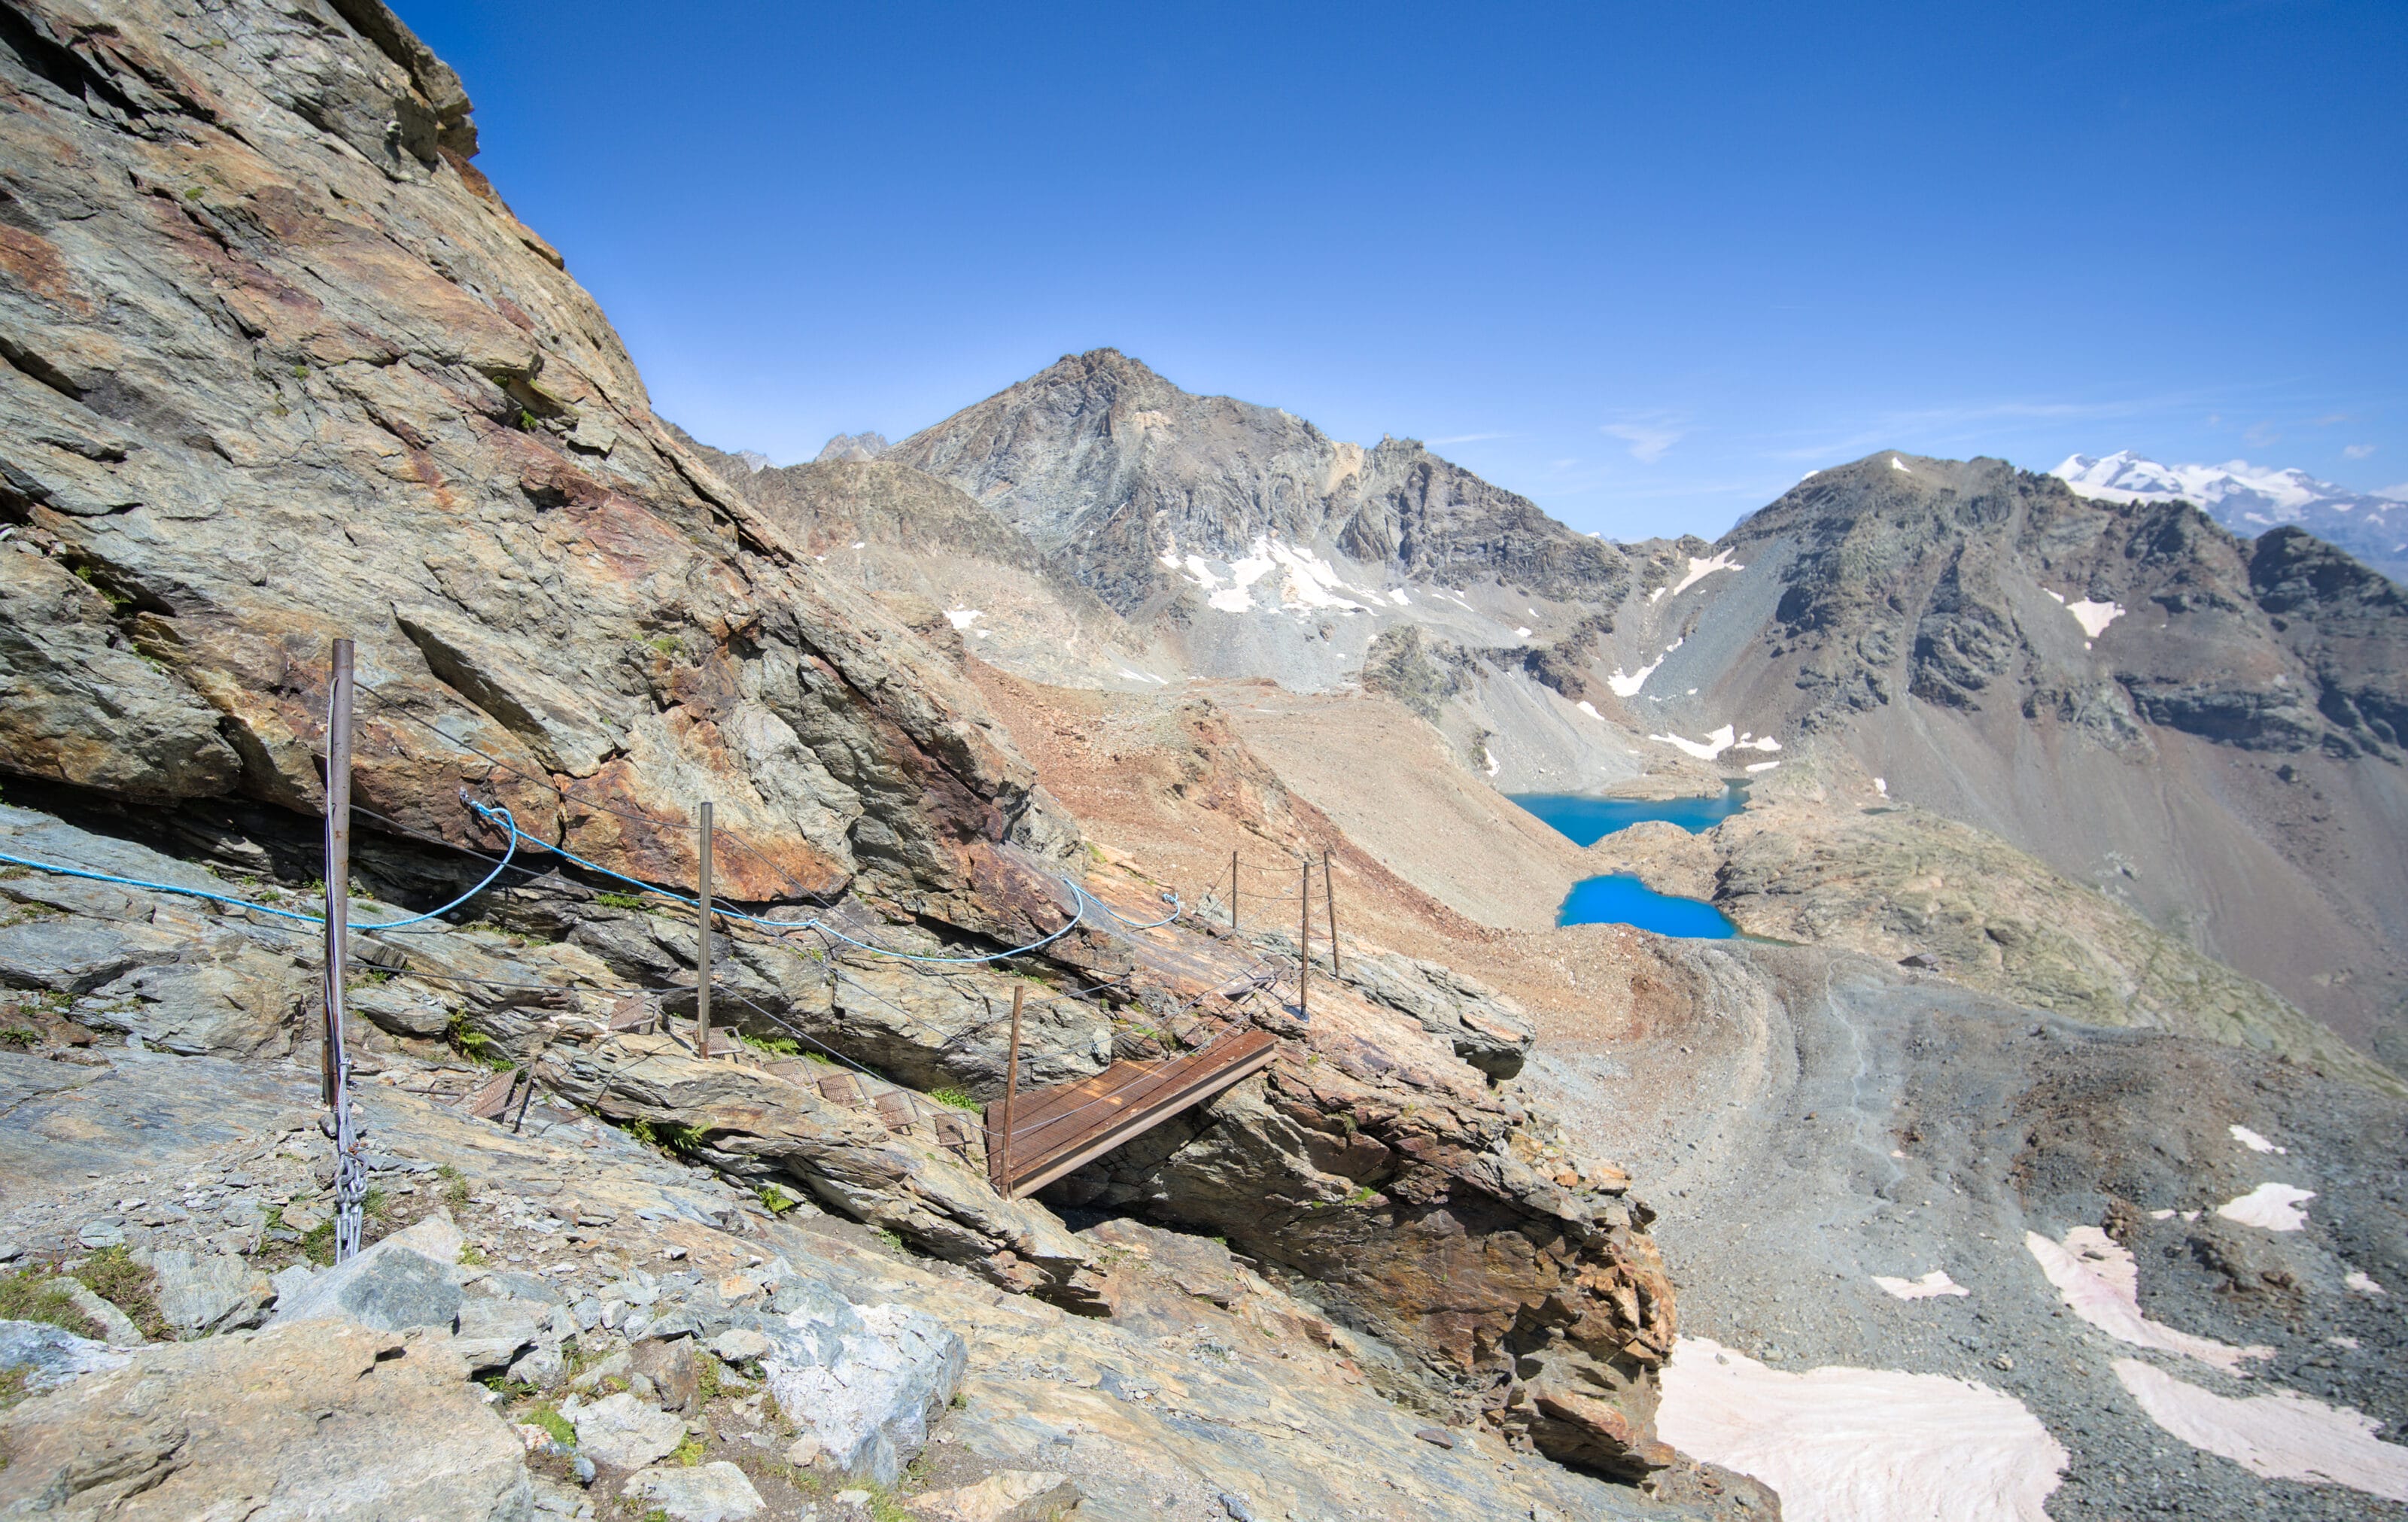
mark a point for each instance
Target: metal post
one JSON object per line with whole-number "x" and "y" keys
{"x": 1011, "y": 1088}
{"x": 1304, "y": 947}
{"x": 350, "y": 1174}
{"x": 1329, "y": 895}
{"x": 1233, "y": 890}
{"x": 702, "y": 945}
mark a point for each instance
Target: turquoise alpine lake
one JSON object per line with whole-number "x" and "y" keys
{"x": 1624, "y": 900}
{"x": 1621, "y": 899}
{"x": 1584, "y": 818}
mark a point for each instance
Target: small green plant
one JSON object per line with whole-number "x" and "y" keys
{"x": 20, "y": 1036}
{"x": 300, "y": 372}
{"x": 884, "y": 1507}
{"x": 656, "y": 1514}
{"x": 956, "y": 1096}
{"x": 114, "y": 1276}
{"x": 689, "y": 1453}
{"x": 889, "y": 1238}
{"x": 550, "y": 1420}
{"x": 318, "y": 1243}
{"x": 507, "y": 1387}
{"x": 776, "y": 1200}
{"x": 471, "y": 1258}
{"x": 473, "y": 1044}
{"x": 376, "y": 1205}
{"x": 707, "y": 1371}
{"x": 30, "y": 1295}
{"x": 12, "y": 1389}
{"x": 619, "y": 900}
{"x": 455, "y": 1186}
{"x": 683, "y": 1139}
{"x": 774, "y": 1046}
{"x": 526, "y": 422}
{"x": 642, "y": 1129}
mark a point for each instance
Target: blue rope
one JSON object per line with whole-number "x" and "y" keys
{"x": 1080, "y": 900}
{"x": 269, "y": 908}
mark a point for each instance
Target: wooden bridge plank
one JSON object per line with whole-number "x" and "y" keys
{"x": 1070, "y": 1124}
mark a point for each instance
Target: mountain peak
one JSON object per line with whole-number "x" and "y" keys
{"x": 2249, "y": 500}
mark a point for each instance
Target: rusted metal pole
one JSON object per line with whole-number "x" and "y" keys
{"x": 350, "y": 1173}
{"x": 702, "y": 944}
{"x": 1233, "y": 890}
{"x": 1329, "y": 896}
{"x": 1304, "y": 945}
{"x": 1011, "y": 1087}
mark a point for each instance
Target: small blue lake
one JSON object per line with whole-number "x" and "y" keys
{"x": 1585, "y": 819}
{"x": 1622, "y": 899}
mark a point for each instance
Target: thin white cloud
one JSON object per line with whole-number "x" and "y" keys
{"x": 2258, "y": 435}
{"x": 1468, "y": 438}
{"x": 2356, "y": 451}
{"x": 1647, "y": 433}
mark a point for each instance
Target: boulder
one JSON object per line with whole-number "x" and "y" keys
{"x": 51, "y": 1355}
{"x": 115, "y": 1325}
{"x": 625, "y": 1432}
{"x": 673, "y": 1369}
{"x": 493, "y": 1332}
{"x": 323, "y": 1421}
{"x": 865, "y": 1384}
{"x": 405, "y": 1280}
{"x": 200, "y": 1293}
{"x": 714, "y": 1492}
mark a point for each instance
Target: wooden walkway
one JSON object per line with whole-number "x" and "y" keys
{"x": 1056, "y": 1128}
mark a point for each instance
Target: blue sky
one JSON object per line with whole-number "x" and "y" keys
{"x": 1647, "y": 264}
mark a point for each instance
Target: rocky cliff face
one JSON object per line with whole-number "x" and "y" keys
{"x": 1110, "y": 468}
{"x": 281, "y": 366}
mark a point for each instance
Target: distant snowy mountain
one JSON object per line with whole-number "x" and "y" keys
{"x": 2249, "y": 501}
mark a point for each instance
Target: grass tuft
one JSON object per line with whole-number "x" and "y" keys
{"x": 30, "y": 1295}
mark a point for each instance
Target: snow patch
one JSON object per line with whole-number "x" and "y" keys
{"x": 1881, "y": 786}
{"x": 2254, "y": 1142}
{"x": 2281, "y": 1436}
{"x": 1700, "y": 570}
{"x": 1590, "y": 709}
{"x": 1657, "y": 593}
{"x": 1521, "y": 633}
{"x": 962, "y": 617}
{"x": 2100, "y": 1283}
{"x": 1626, "y": 683}
{"x": 1231, "y": 600}
{"x": 1844, "y": 1444}
{"x": 2095, "y": 617}
{"x": 1899, "y": 465}
{"x": 1934, "y": 1282}
{"x": 1398, "y": 598}
{"x": 1719, "y": 741}
{"x": 1762, "y": 766}
{"x": 2360, "y": 1283}
{"x": 2273, "y": 1206}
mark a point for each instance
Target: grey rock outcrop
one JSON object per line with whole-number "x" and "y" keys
{"x": 407, "y": 1280}
{"x": 201, "y": 1293}
{"x": 865, "y": 1382}
{"x": 49, "y": 1357}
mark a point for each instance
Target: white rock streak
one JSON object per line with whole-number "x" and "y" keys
{"x": 1861, "y": 1445}
{"x": 2282, "y": 1436}
{"x": 1934, "y": 1282}
{"x": 2275, "y": 1207}
{"x": 2100, "y": 1285}
{"x": 962, "y": 617}
{"x": 1700, "y": 570}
